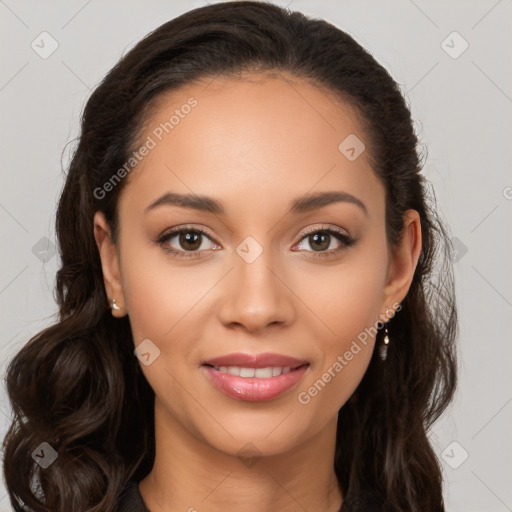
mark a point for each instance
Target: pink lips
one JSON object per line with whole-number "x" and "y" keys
{"x": 254, "y": 388}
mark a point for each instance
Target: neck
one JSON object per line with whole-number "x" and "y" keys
{"x": 191, "y": 475}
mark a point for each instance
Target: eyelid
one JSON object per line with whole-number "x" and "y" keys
{"x": 340, "y": 234}
{"x": 172, "y": 232}
{"x": 324, "y": 227}
{"x": 345, "y": 239}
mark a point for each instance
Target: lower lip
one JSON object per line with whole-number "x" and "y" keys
{"x": 254, "y": 389}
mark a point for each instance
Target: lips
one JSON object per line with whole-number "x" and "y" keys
{"x": 254, "y": 377}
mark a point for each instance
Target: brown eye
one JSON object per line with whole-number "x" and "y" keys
{"x": 320, "y": 241}
{"x": 188, "y": 240}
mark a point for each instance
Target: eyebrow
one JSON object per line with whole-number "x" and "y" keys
{"x": 302, "y": 204}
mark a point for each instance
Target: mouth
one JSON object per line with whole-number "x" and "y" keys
{"x": 258, "y": 373}
{"x": 254, "y": 378}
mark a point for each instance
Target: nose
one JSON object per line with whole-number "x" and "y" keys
{"x": 255, "y": 296}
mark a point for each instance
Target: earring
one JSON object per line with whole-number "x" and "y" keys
{"x": 113, "y": 305}
{"x": 383, "y": 349}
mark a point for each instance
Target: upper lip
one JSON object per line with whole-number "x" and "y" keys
{"x": 256, "y": 360}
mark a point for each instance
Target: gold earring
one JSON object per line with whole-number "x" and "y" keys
{"x": 383, "y": 349}
{"x": 113, "y": 305}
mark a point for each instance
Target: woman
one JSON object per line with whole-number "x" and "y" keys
{"x": 249, "y": 314}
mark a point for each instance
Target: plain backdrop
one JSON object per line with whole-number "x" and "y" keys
{"x": 450, "y": 59}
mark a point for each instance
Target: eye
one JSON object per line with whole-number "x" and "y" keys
{"x": 189, "y": 240}
{"x": 320, "y": 240}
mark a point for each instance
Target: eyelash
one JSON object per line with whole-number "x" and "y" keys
{"x": 346, "y": 240}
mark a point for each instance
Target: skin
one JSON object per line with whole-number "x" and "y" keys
{"x": 254, "y": 144}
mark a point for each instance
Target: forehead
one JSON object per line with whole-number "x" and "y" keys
{"x": 256, "y": 137}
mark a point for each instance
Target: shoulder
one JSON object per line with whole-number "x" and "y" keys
{"x": 130, "y": 499}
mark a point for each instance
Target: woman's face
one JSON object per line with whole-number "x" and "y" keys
{"x": 267, "y": 276}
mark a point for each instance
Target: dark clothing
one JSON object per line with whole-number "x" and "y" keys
{"x": 131, "y": 499}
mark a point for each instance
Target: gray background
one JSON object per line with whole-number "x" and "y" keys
{"x": 462, "y": 106}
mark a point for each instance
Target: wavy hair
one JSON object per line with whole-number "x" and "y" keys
{"x": 77, "y": 385}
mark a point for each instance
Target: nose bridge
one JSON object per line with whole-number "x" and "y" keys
{"x": 256, "y": 295}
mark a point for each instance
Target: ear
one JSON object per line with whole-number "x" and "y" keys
{"x": 404, "y": 259}
{"x": 109, "y": 264}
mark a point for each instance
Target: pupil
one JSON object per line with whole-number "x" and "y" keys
{"x": 187, "y": 238}
{"x": 324, "y": 236}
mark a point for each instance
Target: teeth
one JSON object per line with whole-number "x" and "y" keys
{"x": 247, "y": 372}
{"x": 261, "y": 373}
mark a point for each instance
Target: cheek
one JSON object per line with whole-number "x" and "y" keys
{"x": 164, "y": 304}
{"x": 347, "y": 301}
{"x": 158, "y": 294}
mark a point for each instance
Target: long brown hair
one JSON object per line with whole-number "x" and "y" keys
{"x": 77, "y": 385}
